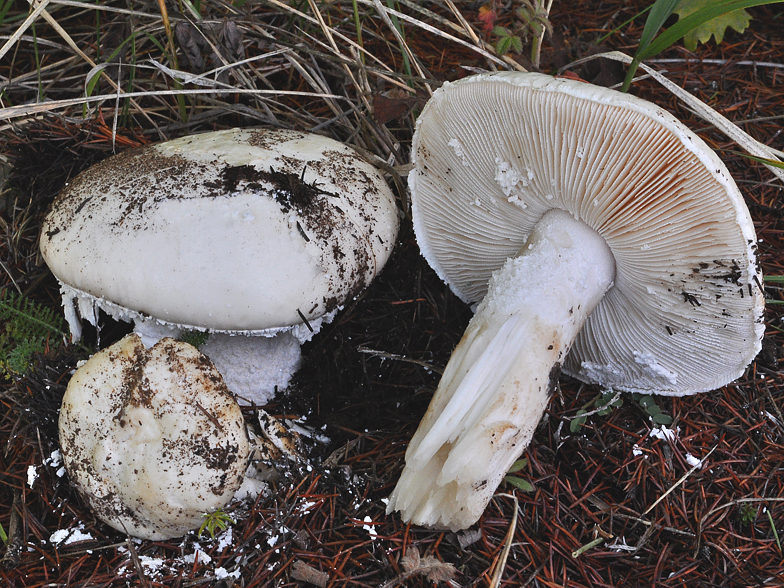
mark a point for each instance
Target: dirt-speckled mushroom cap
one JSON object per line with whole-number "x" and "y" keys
{"x": 492, "y": 153}
{"x": 152, "y": 438}
{"x": 243, "y": 230}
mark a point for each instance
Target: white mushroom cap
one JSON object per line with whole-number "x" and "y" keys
{"x": 244, "y": 230}
{"x": 493, "y": 153}
{"x": 152, "y": 438}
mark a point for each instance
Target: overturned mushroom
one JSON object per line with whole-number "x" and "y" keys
{"x": 151, "y": 438}
{"x": 602, "y": 238}
{"x": 237, "y": 232}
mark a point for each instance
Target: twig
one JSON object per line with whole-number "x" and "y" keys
{"x": 303, "y": 572}
{"x": 396, "y": 357}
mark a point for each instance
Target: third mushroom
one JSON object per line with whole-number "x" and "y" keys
{"x": 599, "y": 237}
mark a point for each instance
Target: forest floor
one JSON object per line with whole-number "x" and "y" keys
{"x": 619, "y": 502}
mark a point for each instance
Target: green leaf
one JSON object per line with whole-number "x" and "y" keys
{"x": 519, "y": 483}
{"x": 518, "y": 465}
{"x": 577, "y": 423}
{"x": 737, "y": 19}
{"x": 3, "y": 536}
{"x": 213, "y": 521}
{"x": 503, "y": 45}
{"x": 646, "y": 402}
{"x": 661, "y": 419}
{"x": 748, "y": 512}
{"x": 525, "y": 14}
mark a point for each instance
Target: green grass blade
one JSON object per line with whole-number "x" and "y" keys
{"x": 660, "y": 12}
{"x": 773, "y": 527}
{"x": 518, "y": 465}
{"x": 4, "y": 10}
{"x": 358, "y": 26}
{"x": 401, "y": 31}
{"x": 764, "y": 160}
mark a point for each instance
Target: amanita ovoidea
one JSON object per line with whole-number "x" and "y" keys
{"x": 236, "y": 232}
{"x": 599, "y": 236}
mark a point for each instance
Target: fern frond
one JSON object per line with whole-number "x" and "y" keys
{"x": 26, "y": 327}
{"x": 195, "y": 338}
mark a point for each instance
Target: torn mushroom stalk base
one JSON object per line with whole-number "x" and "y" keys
{"x": 500, "y": 377}
{"x": 151, "y": 438}
{"x": 244, "y": 232}
{"x": 600, "y": 235}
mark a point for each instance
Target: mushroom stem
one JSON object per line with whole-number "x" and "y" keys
{"x": 501, "y": 375}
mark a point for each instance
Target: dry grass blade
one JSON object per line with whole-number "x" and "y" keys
{"x": 35, "y": 109}
{"x": 500, "y": 565}
{"x": 70, "y": 42}
{"x": 469, "y": 31}
{"x": 31, "y": 18}
{"x": 505, "y": 61}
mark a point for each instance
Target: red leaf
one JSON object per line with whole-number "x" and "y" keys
{"x": 487, "y": 16}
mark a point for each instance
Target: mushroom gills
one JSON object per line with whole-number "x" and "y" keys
{"x": 500, "y": 376}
